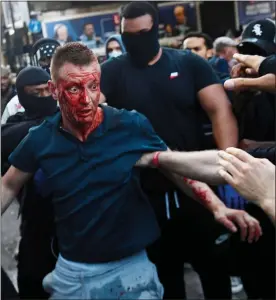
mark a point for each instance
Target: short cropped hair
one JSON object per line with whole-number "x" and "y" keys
{"x": 86, "y": 24}
{"x": 208, "y": 40}
{"x": 137, "y": 9}
{"x": 75, "y": 53}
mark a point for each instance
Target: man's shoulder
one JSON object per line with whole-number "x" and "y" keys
{"x": 14, "y": 100}
{"x": 122, "y": 117}
{"x": 45, "y": 129}
{"x": 180, "y": 56}
{"x": 14, "y": 104}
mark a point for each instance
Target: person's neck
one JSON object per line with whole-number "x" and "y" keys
{"x": 81, "y": 132}
{"x": 156, "y": 58}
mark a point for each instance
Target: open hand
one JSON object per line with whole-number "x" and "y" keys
{"x": 231, "y": 218}
{"x": 253, "y": 178}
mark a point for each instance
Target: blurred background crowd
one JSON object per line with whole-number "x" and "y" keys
{"x": 217, "y": 31}
{"x": 92, "y": 23}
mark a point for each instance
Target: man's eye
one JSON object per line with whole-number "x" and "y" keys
{"x": 73, "y": 89}
{"x": 93, "y": 86}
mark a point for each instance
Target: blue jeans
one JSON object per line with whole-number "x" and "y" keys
{"x": 134, "y": 277}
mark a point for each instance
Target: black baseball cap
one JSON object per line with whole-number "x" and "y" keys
{"x": 258, "y": 38}
{"x": 45, "y": 46}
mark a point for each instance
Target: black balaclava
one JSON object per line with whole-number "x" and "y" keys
{"x": 35, "y": 107}
{"x": 142, "y": 46}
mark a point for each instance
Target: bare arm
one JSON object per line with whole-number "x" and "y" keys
{"x": 12, "y": 182}
{"x": 214, "y": 101}
{"x": 197, "y": 190}
{"x": 195, "y": 164}
{"x": 201, "y": 165}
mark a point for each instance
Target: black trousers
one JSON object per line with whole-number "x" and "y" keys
{"x": 35, "y": 261}
{"x": 189, "y": 236}
{"x": 254, "y": 263}
{"x": 8, "y": 291}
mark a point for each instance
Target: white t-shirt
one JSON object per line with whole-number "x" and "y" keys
{"x": 12, "y": 108}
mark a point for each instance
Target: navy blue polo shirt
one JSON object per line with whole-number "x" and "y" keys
{"x": 101, "y": 212}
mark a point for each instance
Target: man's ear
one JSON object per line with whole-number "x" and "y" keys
{"x": 53, "y": 89}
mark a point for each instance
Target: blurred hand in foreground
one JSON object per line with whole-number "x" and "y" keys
{"x": 253, "y": 178}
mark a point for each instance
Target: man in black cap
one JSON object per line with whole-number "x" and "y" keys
{"x": 43, "y": 50}
{"x": 42, "y": 53}
{"x": 258, "y": 38}
{"x": 173, "y": 89}
{"x": 35, "y": 258}
{"x": 255, "y": 110}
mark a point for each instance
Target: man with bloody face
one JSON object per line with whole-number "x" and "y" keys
{"x": 78, "y": 93}
{"x": 104, "y": 221}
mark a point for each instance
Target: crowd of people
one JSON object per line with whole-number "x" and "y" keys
{"x": 126, "y": 170}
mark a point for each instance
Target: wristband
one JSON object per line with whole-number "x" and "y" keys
{"x": 155, "y": 159}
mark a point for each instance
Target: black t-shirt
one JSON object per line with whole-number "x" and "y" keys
{"x": 166, "y": 93}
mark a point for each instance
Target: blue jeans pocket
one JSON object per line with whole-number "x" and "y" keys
{"x": 62, "y": 287}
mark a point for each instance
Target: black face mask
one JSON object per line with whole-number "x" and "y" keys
{"x": 37, "y": 107}
{"x": 143, "y": 46}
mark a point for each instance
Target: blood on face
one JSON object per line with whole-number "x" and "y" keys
{"x": 79, "y": 92}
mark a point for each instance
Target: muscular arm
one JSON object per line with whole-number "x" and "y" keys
{"x": 11, "y": 184}
{"x": 214, "y": 101}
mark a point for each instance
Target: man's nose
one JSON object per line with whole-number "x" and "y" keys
{"x": 85, "y": 99}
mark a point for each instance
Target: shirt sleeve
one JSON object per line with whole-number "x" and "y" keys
{"x": 23, "y": 157}
{"x": 150, "y": 140}
{"x": 268, "y": 66}
{"x": 204, "y": 75}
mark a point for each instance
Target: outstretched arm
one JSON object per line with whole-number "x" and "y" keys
{"x": 11, "y": 184}
{"x": 230, "y": 218}
{"x": 200, "y": 165}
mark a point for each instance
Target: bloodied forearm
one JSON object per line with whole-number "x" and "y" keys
{"x": 197, "y": 190}
{"x": 202, "y": 166}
